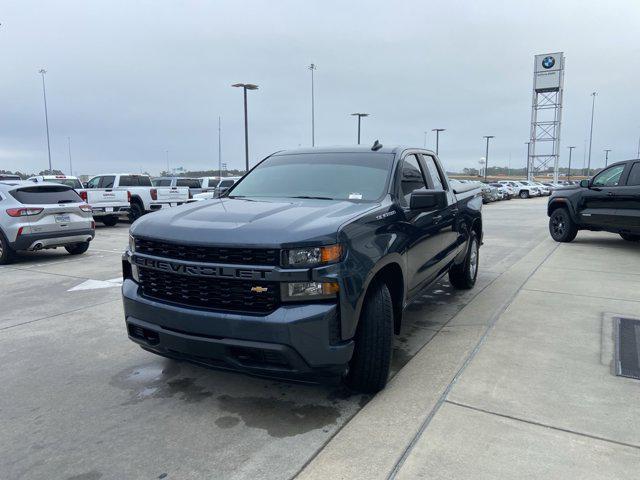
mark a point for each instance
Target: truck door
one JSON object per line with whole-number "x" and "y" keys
{"x": 450, "y": 236}
{"x": 628, "y": 200}
{"x": 599, "y": 203}
{"x": 420, "y": 227}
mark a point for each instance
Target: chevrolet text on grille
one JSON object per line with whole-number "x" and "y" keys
{"x": 200, "y": 270}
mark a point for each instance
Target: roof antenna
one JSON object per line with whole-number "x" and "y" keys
{"x": 376, "y": 146}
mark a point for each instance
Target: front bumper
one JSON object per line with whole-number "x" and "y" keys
{"x": 291, "y": 342}
{"x": 31, "y": 241}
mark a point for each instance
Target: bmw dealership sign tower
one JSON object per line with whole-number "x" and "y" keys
{"x": 546, "y": 113}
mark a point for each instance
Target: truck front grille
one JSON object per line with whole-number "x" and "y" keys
{"x": 195, "y": 253}
{"x": 210, "y": 293}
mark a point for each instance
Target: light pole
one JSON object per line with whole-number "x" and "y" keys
{"x": 528, "y": 144}
{"x": 425, "y": 139}
{"x": 606, "y": 157}
{"x": 359, "y": 115}
{"x": 219, "y": 146}
{"x": 438, "y": 130}
{"x": 313, "y": 67}
{"x": 569, "y": 172}
{"x": 245, "y": 87}
{"x": 70, "y": 164}
{"x": 486, "y": 155}
{"x": 42, "y": 72}
{"x": 593, "y": 107}
{"x": 166, "y": 152}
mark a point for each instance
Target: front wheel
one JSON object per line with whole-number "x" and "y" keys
{"x": 77, "y": 248}
{"x": 629, "y": 237}
{"x": 369, "y": 367}
{"x": 524, "y": 194}
{"x": 464, "y": 275}
{"x": 561, "y": 227}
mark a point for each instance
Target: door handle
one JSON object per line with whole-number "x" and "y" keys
{"x": 610, "y": 194}
{"x": 437, "y": 218}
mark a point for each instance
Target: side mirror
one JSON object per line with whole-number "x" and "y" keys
{"x": 428, "y": 199}
{"x": 585, "y": 183}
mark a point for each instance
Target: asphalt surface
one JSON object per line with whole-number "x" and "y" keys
{"x": 80, "y": 401}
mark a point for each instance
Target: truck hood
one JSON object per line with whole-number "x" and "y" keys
{"x": 251, "y": 222}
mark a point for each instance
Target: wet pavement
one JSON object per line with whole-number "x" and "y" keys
{"x": 80, "y": 401}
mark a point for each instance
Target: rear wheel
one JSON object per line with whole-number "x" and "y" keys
{"x": 524, "y": 194}
{"x": 6, "y": 253}
{"x": 561, "y": 227}
{"x": 629, "y": 237}
{"x": 136, "y": 211}
{"x": 109, "y": 220}
{"x": 77, "y": 248}
{"x": 369, "y": 367}
{"x": 463, "y": 276}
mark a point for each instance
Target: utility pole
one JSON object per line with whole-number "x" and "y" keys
{"x": 70, "y": 164}
{"x": 219, "y": 146}
{"x": 593, "y": 107}
{"x": 569, "y": 172}
{"x": 313, "y": 67}
{"x": 606, "y": 157}
{"x": 359, "y": 115}
{"x": 42, "y": 72}
{"x": 437, "y": 130}
{"x": 486, "y": 156}
{"x": 245, "y": 87}
{"x": 528, "y": 144}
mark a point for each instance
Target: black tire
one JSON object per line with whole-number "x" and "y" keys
{"x": 524, "y": 194}
{"x": 77, "y": 248}
{"x": 464, "y": 275}
{"x": 369, "y": 367}
{"x": 109, "y": 220}
{"x": 6, "y": 253}
{"x": 561, "y": 227}
{"x": 629, "y": 237}
{"x": 136, "y": 211}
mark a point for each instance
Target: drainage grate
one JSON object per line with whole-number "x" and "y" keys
{"x": 628, "y": 347}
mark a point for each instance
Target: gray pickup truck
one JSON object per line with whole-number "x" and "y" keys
{"x": 303, "y": 269}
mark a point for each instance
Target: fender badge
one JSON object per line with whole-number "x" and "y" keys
{"x": 259, "y": 289}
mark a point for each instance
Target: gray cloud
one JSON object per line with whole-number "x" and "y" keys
{"x": 129, "y": 80}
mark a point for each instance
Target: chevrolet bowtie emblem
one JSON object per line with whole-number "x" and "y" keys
{"x": 258, "y": 289}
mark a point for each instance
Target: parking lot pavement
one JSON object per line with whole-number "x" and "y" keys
{"x": 82, "y": 401}
{"x": 536, "y": 395}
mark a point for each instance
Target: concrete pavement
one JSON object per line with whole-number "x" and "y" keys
{"x": 529, "y": 394}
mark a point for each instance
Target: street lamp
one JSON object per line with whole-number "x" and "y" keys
{"x": 438, "y": 130}
{"x": 313, "y": 67}
{"x": 486, "y": 155}
{"x": 593, "y": 107}
{"x": 245, "y": 87}
{"x": 606, "y": 157}
{"x": 359, "y": 115}
{"x": 569, "y": 173}
{"x": 42, "y": 72}
{"x": 70, "y": 163}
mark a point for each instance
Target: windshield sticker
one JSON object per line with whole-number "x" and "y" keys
{"x": 355, "y": 196}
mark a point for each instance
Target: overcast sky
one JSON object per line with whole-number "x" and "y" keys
{"x": 128, "y": 80}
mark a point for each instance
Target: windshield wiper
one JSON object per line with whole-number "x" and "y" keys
{"x": 314, "y": 198}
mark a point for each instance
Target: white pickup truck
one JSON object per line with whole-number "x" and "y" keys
{"x": 106, "y": 205}
{"x": 144, "y": 197}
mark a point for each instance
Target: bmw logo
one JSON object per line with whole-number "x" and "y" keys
{"x": 548, "y": 62}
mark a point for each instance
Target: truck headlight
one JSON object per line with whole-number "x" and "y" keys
{"x": 309, "y": 290}
{"x": 312, "y": 256}
{"x": 132, "y": 243}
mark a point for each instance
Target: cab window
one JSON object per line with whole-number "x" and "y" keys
{"x": 412, "y": 178}
{"x": 434, "y": 173}
{"x": 634, "y": 175}
{"x": 609, "y": 177}
{"x": 107, "y": 181}
{"x": 94, "y": 182}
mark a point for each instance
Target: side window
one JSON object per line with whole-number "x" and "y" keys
{"x": 142, "y": 181}
{"x": 412, "y": 178}
{"x": 128, "y": 181}
{"x": 634, "y": 175}
{"x": 94, "y": 182}
{"x": 107, "y": 181}
{"x": 161, "y": 183}
{"x": 609, "y": 177}
{"x": 226, "y": 183}
{"x": 434, "y": 173}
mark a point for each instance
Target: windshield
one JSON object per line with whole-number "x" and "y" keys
{"x": 334, "y": 176}
{"x": 69, "y": 182}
